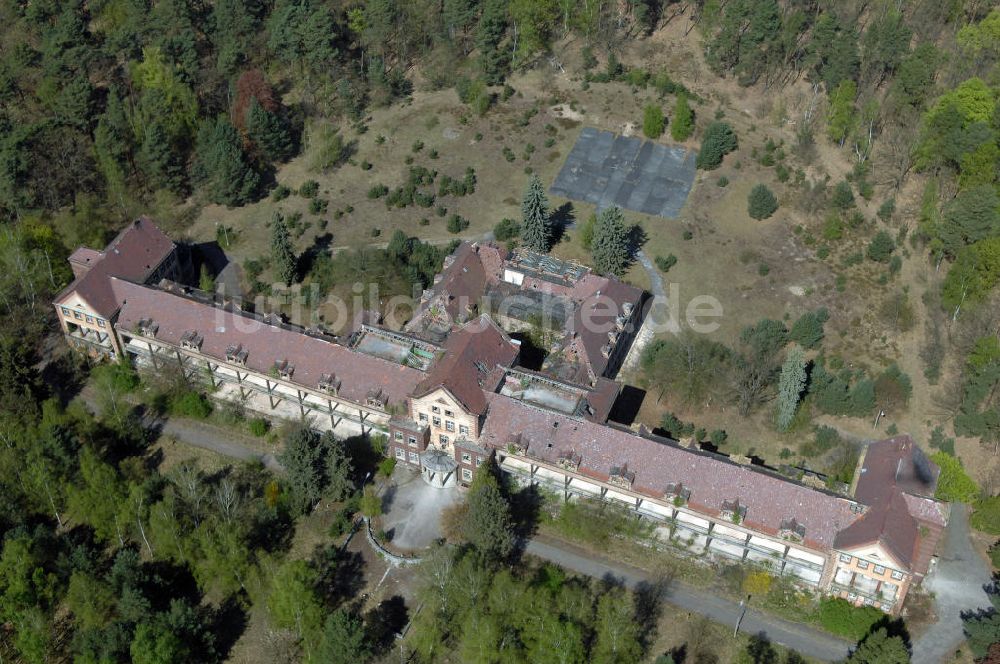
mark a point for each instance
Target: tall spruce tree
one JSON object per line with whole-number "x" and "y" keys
{"x": 282, "y": 255}
{"x": 536, "y": 228}
{"x": 488, "y": 524}
{"x": 268, "y": 132}
{"x": 610, "y": 245}
{"x": 221, "y": 168}
{"x": 790, "y": 386}
{"x": 158, "y": 161}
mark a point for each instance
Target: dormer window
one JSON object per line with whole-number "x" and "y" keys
{"x": 792, "y": 530}
{"x": 191, "y": 340}
{"x": 621, "y": 477}
{"x": 734, "y": 511}
{"x": 376, "y": 398}
{"x": 328, "y": 383}
{"x": 677, "y": 493}
{"x": 236, "y": 354}
{"x": 147, "y": 327}
{"x": 283, "y": 369}
{"x": 570, "y": 461}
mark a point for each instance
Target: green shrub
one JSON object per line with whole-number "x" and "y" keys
{"x": 763, "y": 269}
{"x": 418, "y": 145}
{"x": 887, "y": 209}
{"x": 508, "y": 154}
{"x": 761, "y": 202}
{"x": 881, "y": 247}
{"x": 807, "y": 331}
{"x": 386, "y": 466}
{"x": 843, "y": 196}
{"x": 954, "y": 485}
{"x": 190, "y": 404}
{"x": 118, "y": 376}
{"x": 653, "y": 121}
{"x": 309, "y": 189}
{"x": 986, "y": 517}
{"x": 457, "y": 224}
{"x": 507, "y": 229}
{"x": 280, "y": 193}
{"x": 258, "y": 426}
{"x": 718, "y": 141}
{"x": 666, "y": 262}
{"x": 687, "y": 235}
{"x": 840, "y": 617}
{"x": 318, "y": 205}
{"x": 722, "y": 182}
{"x": 941, "y": 442}
{"x": 995, "y": 554}
{"x": 378, "y": 191}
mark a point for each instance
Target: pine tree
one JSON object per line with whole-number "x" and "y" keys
{"x": 790, "y": 386}
{"x": 488, "y": 524}
{"x": 282, "y": 255}
{"x": 842, "y": 116}
{"x": 536, "y": 230}
{"x": 683, "y": 122}
{"x": 761, "y": 202}
{"x": 221, "y": 167}
{"x": 880, "y": 648}
{"x": 719, "y": 140}
{"x": 610, "y": 245}
{"x": 157, "y": 159}
{"x": 268, "y": 133}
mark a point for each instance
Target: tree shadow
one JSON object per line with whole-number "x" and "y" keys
{"x": 385, "y": 622}
{"x": 228, "y": 622}
{"x": 209, "y": 254}
{"x": 525, "y": 507}
{"x": 388, "y": 496}
{"x": 648, "y": 599}
{"x": 562, "y": 219}
{"x": 340, "y": 575}
{"x": 760, "y": 650}
{"x": 167, "y": 581}
{"x": 637, "y": 237}
{"x": 321, "y": 244}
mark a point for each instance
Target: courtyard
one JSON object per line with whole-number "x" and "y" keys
{"x": 412, "y": 510}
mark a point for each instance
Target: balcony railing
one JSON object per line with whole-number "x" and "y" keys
{"x": 864, "y": 594}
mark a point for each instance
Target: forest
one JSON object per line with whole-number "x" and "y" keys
{"x": 114, "y": 108}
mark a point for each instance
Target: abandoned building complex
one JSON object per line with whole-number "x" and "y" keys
{"x": 448, "y": 393}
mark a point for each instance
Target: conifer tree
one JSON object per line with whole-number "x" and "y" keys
{"x": 282, "y": 255}
{"x": 610, "y": 244}
{"x": 157, "y": 159}
{"x": 683, "y": 122}
{"x": 221, "y": 168}
{"x": 790, "y": 386}
{"x": 268, "y": 133}
{"x": 718, "y": 141}
{"x": 536, "y": 230}
{"x": 761, "y": 202}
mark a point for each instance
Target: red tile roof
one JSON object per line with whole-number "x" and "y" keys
{"x": 895, "y": 463}
{"x": 897, "y": 480}
{"x": 133, "y": 255}
{"x": 472, "y": 355}
{"x": 770, "y": 499}
{"x": 310, "y": 355}
{"x": 890, "y": 524}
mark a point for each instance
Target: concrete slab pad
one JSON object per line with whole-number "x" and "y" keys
{"x": 606, "y": 169}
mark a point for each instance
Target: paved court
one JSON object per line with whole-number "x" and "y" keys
{"x": 605, "y": 169}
